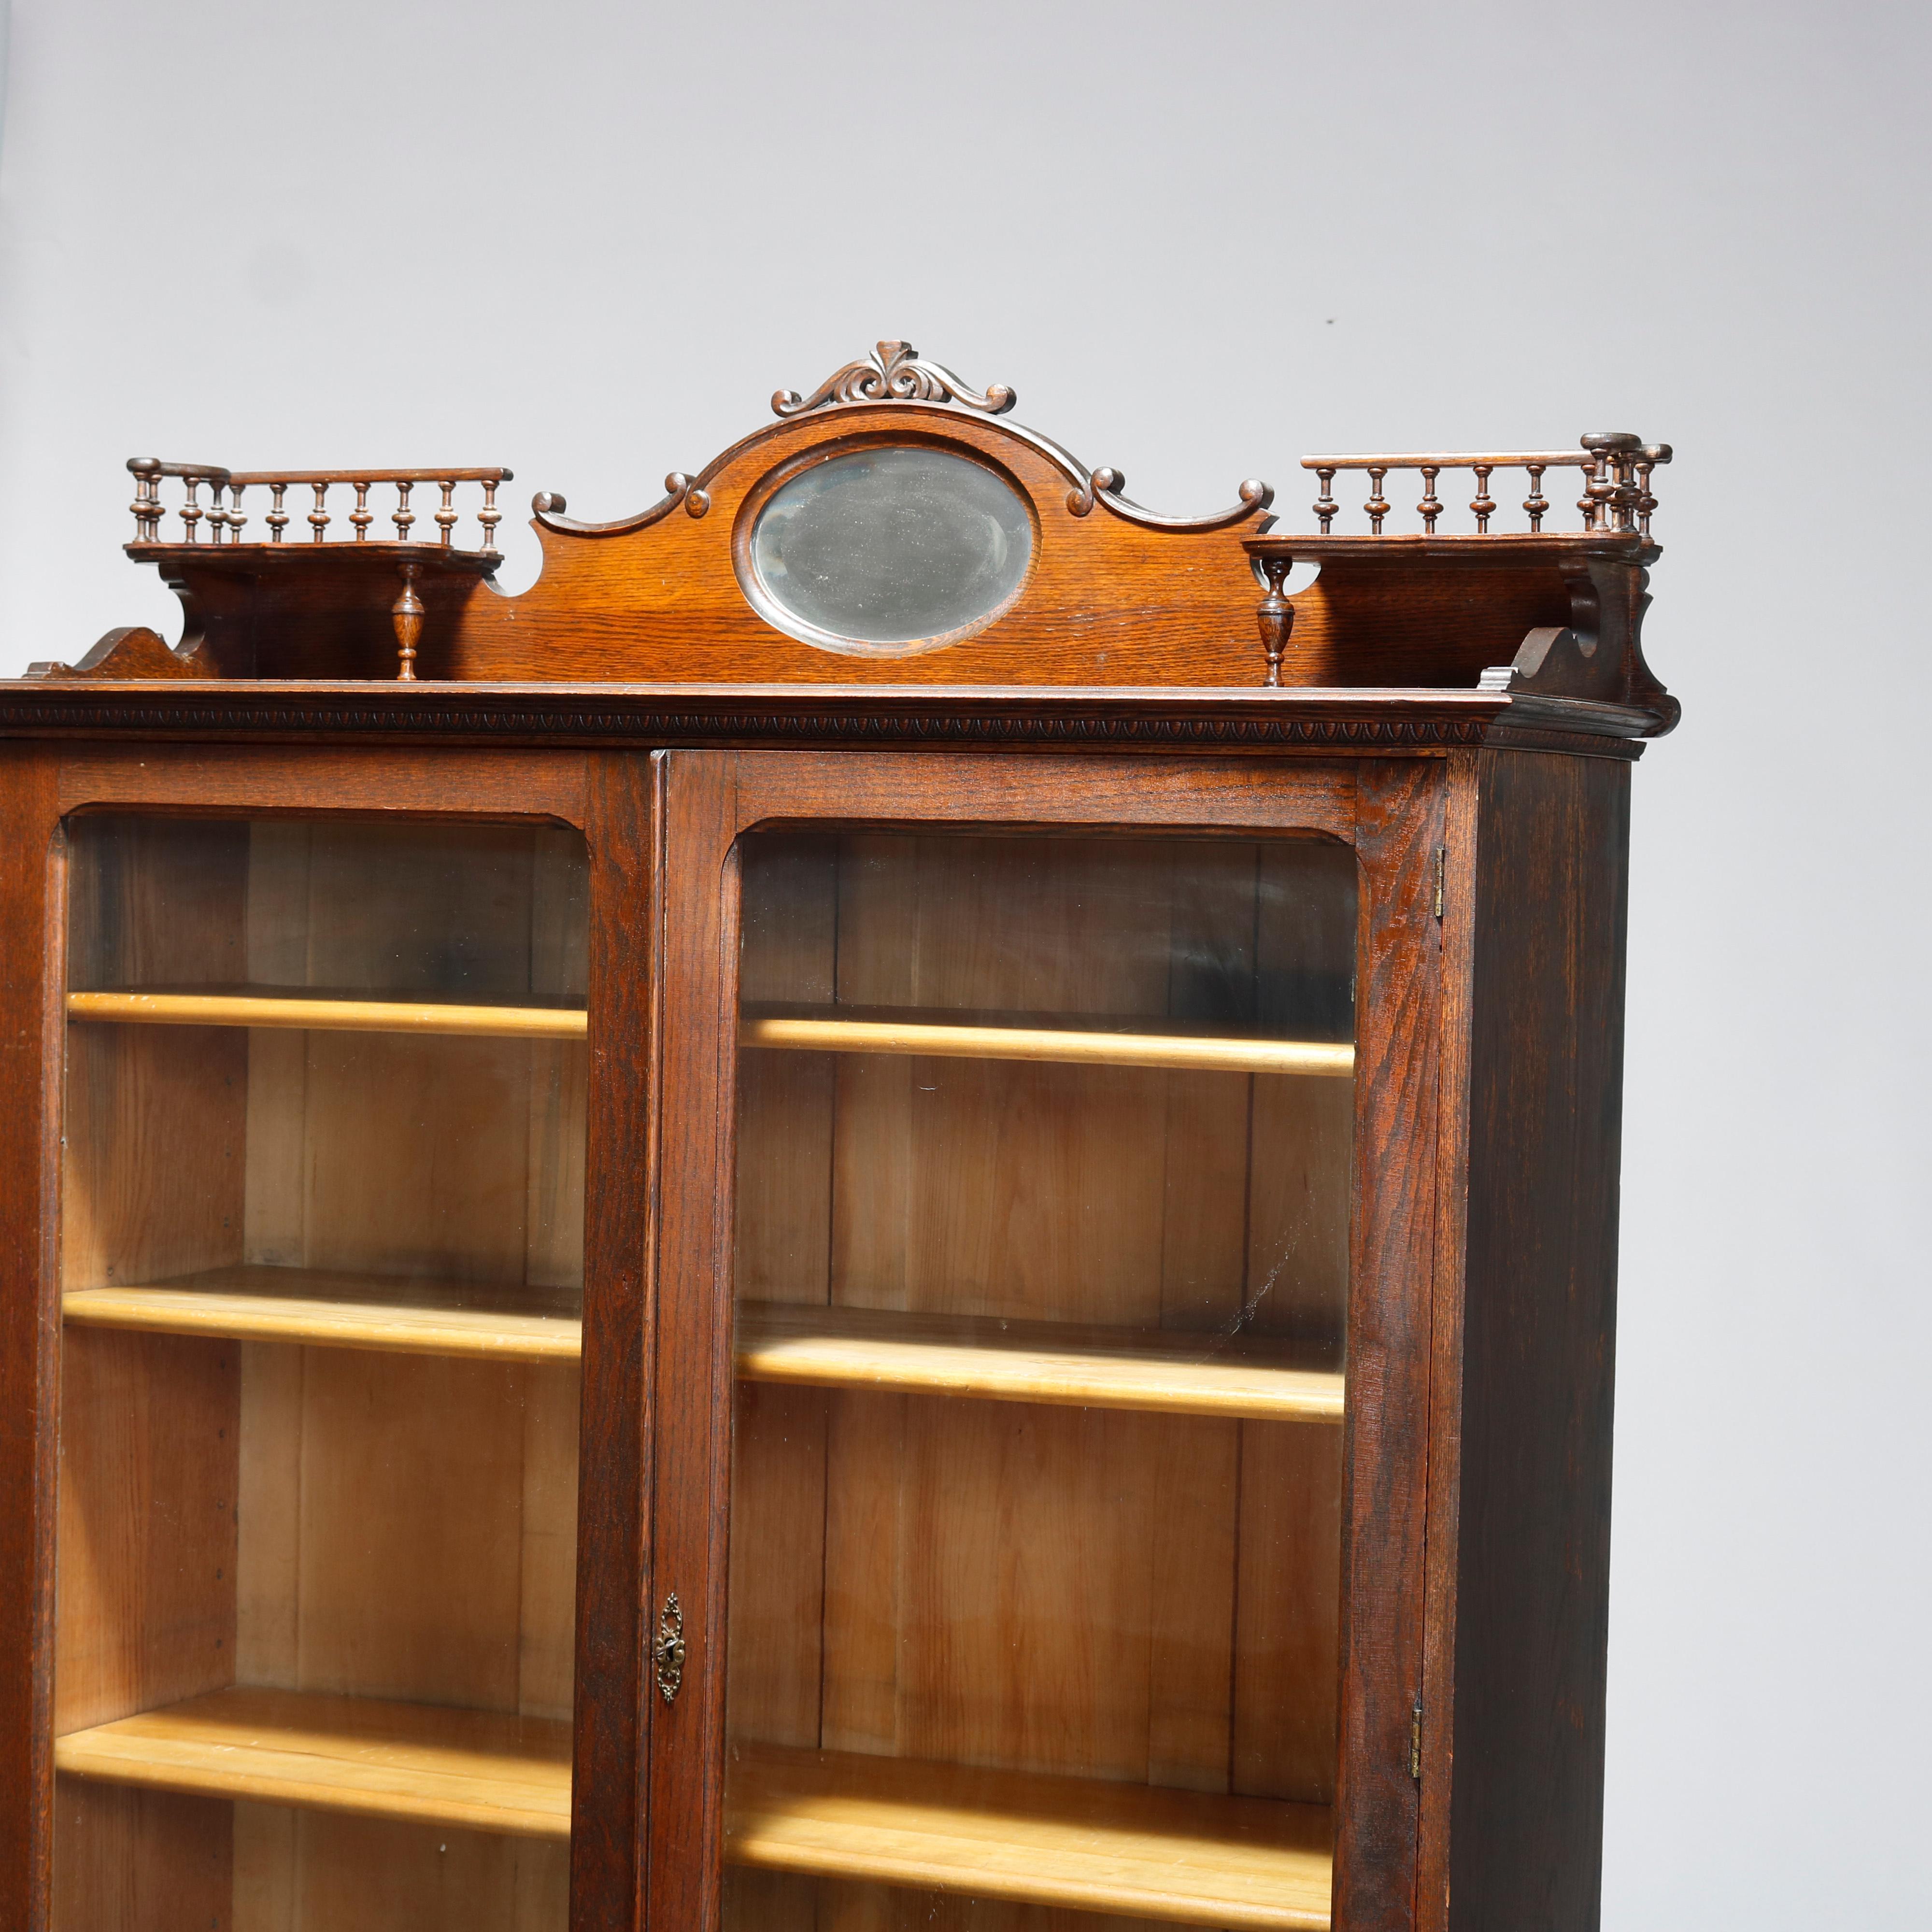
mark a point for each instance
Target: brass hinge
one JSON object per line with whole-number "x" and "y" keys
{"x": 668, "y": 1653}
{"x": 1441, "y": 870}
{"x": 1415, "y": 1741}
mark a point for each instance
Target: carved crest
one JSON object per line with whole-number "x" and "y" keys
{"x": 894, "y": 373}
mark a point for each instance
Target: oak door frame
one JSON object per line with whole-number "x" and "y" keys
{"x": 1391, "y": 811}
{"x": 613, "y": 800}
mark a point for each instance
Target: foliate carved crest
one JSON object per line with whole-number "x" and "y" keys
{"x": 894, "y": 373}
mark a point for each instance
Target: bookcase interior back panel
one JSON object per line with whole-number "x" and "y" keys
{"x": 948, "y": 1549}
{"x": 365, "y": 1542}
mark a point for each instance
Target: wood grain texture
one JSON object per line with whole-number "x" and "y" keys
{"x": 1105, "y": 600}
{"x": 447, "y": 782}
{"x": 326, "y": 1016}
{"x": 1179, "y": 1857}
{"x": 886, "y": 1551}
{"x": 422, "y": 1597}
{"x": 33, "y": 863}
{"x": 149, "y": 1442}
{"x": 1111, "y": 596}
{"x": 1461, "y": 822}
{"x": 127, "y": 1860}
{"x": 331, "y": 1871}
{"x": 620, "y": 1420}
{"x": 1017, "y": 1585}
{"x": 1391, "y": 1250}
{"x": 693, "y": 1384}
{"x": 1533, "y": 1476}
{"x": 385, "y": 1760}
{"x": 435, "y": 1159}
{"x": 398, "y": 1313}
{"x": 927, "y": 1036}
{"x": 1059, "y": 1362}
{"x": 1286, "y": 1621}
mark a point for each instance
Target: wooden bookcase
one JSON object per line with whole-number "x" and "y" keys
{"x": 894, "y": 1208}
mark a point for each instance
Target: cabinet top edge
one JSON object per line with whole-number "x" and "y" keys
{"x": 617, "y": 716}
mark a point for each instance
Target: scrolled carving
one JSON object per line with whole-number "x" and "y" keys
{"x": 894, "y": 372}
{"x": 548, "y": 507}
{"x": 1106, "y": 486}
{"x": 1102, "y": 482}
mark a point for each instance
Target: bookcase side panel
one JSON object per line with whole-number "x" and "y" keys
{"x": 1538, "y": 1313}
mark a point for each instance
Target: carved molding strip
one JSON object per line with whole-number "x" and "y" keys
{"x": 1612, "y": 735}
{"x": 894, "y": 372}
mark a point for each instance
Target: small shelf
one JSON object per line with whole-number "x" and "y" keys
{"x": 1135, "y": 1850}
{"x": 314, "y": 1013}
{"x": 478, "y": 1770}
{"x": 1101, "y": 1041}
{"x": 1172, "y": 1371}
{"x": 393, "y": 1314}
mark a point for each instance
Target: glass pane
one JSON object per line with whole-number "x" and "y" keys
{"x": 1042, "y": 1286}
{"x": 898, "y": 545}
{"x": 322, "y": 1265}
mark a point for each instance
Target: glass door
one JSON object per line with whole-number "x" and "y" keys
{"x": 322, "y": 1268}
{"x": 1042, "y": 1276}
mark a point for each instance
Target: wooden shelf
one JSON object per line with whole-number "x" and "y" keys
{"x": 1133, "y": 1850}
{"x": 1095, "y": 1042}
{"x": 475, "y": 1769}
{"x": 1030, "y": 1361}
{"x": 393, "y": 1314}
{"x": 1056, "y": 1363}
{"x": 313, "y": 1014}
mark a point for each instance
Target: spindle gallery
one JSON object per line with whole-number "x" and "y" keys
{"x": 894, "y": 1206}
{"x": 226, "y": 522}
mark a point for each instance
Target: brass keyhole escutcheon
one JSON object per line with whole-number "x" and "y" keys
{"x": 668, "y": 1653}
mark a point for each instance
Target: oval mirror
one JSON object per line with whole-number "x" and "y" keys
{"x": 890, "y": 548}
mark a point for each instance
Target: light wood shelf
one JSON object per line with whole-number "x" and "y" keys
{"x": 1133, "y": 1850}
{"x": 310, "y": 1013}
{"x": 392, "y": 1314}
{"x": 474, "y": 1769}
{"x": 1057, "y": 1363}
{"x": 1098, "y": 1043}
{"x": 1051, "y": 1362}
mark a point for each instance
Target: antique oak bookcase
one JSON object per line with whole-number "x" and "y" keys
{"x": 894, "y": 1208}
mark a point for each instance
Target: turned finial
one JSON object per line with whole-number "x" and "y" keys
{"x": 407, "y": 614}
{"x": 1275, "y": 615}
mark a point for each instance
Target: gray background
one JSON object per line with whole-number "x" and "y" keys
{"x": 588, "y": 240}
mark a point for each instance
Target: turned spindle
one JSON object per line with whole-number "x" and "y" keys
{"x": 1536, "y": 502}
{"x": 1483, "y": 504}
{"x": 361, "y": 516}
{"x": 1431, "y": 506}
{"x": 1378, "y": 504}
{"x": 190, "y": 510}
{"x": 1276, "y": 616}
{"x": 489, "y": 517}
{"x": 278, "y": 518}
{"x": 402, "y": 516}
{"x": 318, "y": 518}
{"x": 407, "y": 614}
{"x": 1648, "y": 459}
{"x": 1326, "y": 506}
{"x": 147, "y": 504}
{"x": 1603, "y": 493}
{"x": 445, "y": 515}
